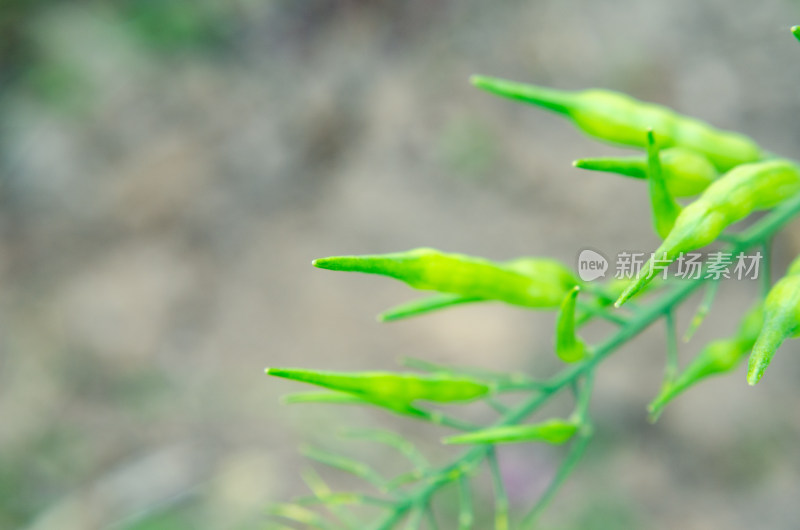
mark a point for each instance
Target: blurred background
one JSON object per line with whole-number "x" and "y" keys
{"x": 169, "y": 168}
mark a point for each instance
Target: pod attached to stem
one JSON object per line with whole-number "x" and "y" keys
{"x": 620, "y": 119}
{"x": 781, "y": 321}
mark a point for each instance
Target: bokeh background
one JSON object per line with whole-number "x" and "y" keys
{"x": 168, "y": 169}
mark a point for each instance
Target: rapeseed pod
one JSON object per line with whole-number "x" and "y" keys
{"x": 554, "y": 431}
{"x": 620, "y": 119}
{"x": 717, "y": 357}
{"x": 391, "y": 389}
{"x": 685, "y": 172}
{"x": 529, "y": 282}
{"x": 732, "y": 197}
{"x": 569, "y": 347}
{"x": 781, "y": 321}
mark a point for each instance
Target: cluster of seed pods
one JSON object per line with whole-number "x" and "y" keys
{"x": 727, "y": 176}
{"x": 686, "y": 157}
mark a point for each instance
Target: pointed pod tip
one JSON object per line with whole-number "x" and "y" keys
{"x": 631, "y": 290}
{"x": 655, "y": 408}
{"x": 478, "y": 80}
{"x": 755, "y": 370}
{"x": 277, "y": 372}
{"x": 652, "y": 416}
{"x": 757, "y": 365}
{"x": 280, "y": 372}
{"x": 341, "y": 263}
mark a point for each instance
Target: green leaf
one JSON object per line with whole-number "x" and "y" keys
{"x": 343, "y": 463}
{"x": 300, "y": 514}
{"x": 796, "y": 31}
{"x": 393, "y": 440}
{"x": 332, "y": 501}
{"x": 555, "y": 431}
{"x": 424, "y": 305}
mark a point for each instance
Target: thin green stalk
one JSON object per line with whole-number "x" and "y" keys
{"x": 671, "y": 368}
{"x": 323, "y": 494}
{"x": 431, "y": 518}
{"x": 584, "y": 399}
{"x": 601, "y": 312}
{"x": 500, "y": 496}
{"x": 765, "y": 274}
{"x": 394, "y": 440}
{"x": 466, "y": 513}
{"x": 344, "y": 497}
{"x": 496, "y": 405}
{"x": 702, "y": 309}
{"x": 346, "y": 464}
{"x": 415, "y": 519}
{"x": 564, "y": 470}
{"x": 573, "y": 456}
{"x": 440, "y": 418}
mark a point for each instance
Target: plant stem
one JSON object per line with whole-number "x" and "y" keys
{"x": 757, "y": 234}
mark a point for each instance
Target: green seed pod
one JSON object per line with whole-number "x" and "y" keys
{"x": 665, "y": 209}
{"x": 781, "y": 321}
{"x": 685, "y": 172}
{"x": 732, "y": 197}
{"x": 529, "y": 282}
{"x": 718, "y": 357}
{"x": 387, "y": 387}
{"x": 796, "y": 31}
{"x": 555, "y": 431}
{"x": 569, "y": 347}
{"x": 620, "y": 119}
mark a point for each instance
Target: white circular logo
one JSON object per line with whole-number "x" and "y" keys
{"x": 591, "y": 265}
